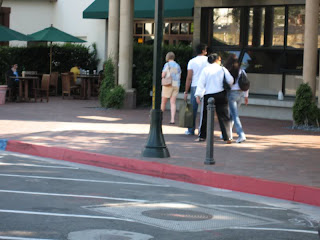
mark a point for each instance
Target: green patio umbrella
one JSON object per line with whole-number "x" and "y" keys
{"x": 7, "y": 34}
{"x": 52, "y": 34}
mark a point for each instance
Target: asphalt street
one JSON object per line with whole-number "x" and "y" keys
{"x": 46, "y": 199}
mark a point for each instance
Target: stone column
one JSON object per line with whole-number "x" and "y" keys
{"x": 196, "y": 26}
{"x": 311, "y": 44}
{"x": 113, "y": 32}
{"x": 126, "y": 51}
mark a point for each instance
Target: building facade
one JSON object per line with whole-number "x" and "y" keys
{"x": 30, "y": 16}
{"x": 277, "y": 41}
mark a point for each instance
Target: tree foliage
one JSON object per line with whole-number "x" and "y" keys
{"x": 110, "y": 96}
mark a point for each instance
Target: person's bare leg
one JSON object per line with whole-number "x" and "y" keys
{"x": 163, "y": 103}
{"x": 173, "y": 108}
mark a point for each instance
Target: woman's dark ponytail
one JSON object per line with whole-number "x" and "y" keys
{"x": 213, "y": 57}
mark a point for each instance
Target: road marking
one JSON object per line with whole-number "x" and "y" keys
{"x": 276, "y": 229}
{"x": 33, "y": 165}
{"x": 64, "y": 215}
{"x": 253, "y": 207}
{"x": 22, "y": 238}
{"x": 73, "y": 195}
{"x": 83, "y": 180}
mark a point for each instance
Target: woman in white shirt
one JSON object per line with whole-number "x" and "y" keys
{"x": 235, "y": 95}
{"x": 210, "y": 84}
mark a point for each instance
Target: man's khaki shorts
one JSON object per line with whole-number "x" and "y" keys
{"x": 170, "y": 91}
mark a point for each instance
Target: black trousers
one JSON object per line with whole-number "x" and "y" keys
{"x": 14, "y": 85}
{"x": 222, "y": 110}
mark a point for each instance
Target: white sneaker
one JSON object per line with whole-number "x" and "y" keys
{"x": 241, "y": 139}
{"x": 188, "y": 133}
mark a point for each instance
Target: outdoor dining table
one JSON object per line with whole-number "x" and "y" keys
{"x": 87, "y": 82}
{"x": 24, "y": 83}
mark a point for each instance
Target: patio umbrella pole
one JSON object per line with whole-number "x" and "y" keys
{"x": 52, "y": 34}
{"x": 50, "y": 56}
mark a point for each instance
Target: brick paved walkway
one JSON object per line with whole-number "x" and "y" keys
{"x": 272, "y": 151}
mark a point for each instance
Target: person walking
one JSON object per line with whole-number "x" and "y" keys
{"x": 195, "y": 67}
{"x": 172, "y": 90}
{"x": 235, "y": 96}
{"x": 211, "y": 85}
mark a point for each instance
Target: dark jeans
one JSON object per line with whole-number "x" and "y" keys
{"x": 194, "y": 108}
{"x": 14, "y": 85}
{"x": 222, "y": 110}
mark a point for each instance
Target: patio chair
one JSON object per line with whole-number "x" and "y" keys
{"x": 68, "y": 85}
{"x": 44, "y": 89}
{"x": 54, "y": 82}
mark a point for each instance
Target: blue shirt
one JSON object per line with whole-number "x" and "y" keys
{"x": 175, "y": 72}
{"x": 16, "y": 73}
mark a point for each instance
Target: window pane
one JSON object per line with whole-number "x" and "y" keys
{"x": 278, "y": 26}
{"x": 148, "y": 28}
{"x": 226, "y": 26}
{"x": 166, "y": 28}
{"x": 184, "y": 28}
{"x": 263, "y": 61}
{"x": 296, "y": 26}
{"x": 175, "y": 28}
{"x": 139, "y": 28}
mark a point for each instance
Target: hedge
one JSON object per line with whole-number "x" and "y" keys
{"x": 36, "y": 58}
{"x": 143, "y": 68}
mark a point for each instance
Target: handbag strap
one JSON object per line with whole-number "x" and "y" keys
{"x": 224, "y": 74}
{"x": 169, "y": 67}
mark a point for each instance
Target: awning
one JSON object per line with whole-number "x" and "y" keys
{"x": 99, "y": 9}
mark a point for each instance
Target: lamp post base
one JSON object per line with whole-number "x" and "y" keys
{"x": 156, "y": 147}
{"x": 209, "y": 161}
{"x": 154, "y": 152}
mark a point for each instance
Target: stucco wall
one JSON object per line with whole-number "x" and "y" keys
{"x": 29, "y": 16}
{"x": 33, "y": 15}
{"x": 233, "y": 3}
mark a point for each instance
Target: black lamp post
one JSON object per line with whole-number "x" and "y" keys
{"x": 156, "y": 146}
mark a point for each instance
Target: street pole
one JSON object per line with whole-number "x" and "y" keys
{"x": 156, "y": 147}
{"x": 210, "y": 128}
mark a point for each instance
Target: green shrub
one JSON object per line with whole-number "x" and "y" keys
{"x": 115, "y": 97}
{"x": 110, "y": 96}
{"x": 305, "y": 110}
{"x": 107, "y": 82}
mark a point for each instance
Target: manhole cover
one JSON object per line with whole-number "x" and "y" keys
{"x": 177, "y": 215}
{"x": 180, "y": 216}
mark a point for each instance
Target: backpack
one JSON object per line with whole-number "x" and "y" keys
{"x": 243, "y": 82}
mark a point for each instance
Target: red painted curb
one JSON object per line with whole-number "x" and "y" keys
{"x": 286, "y": 191}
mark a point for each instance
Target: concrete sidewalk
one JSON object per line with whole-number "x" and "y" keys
{"x": 274, "y": 161}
